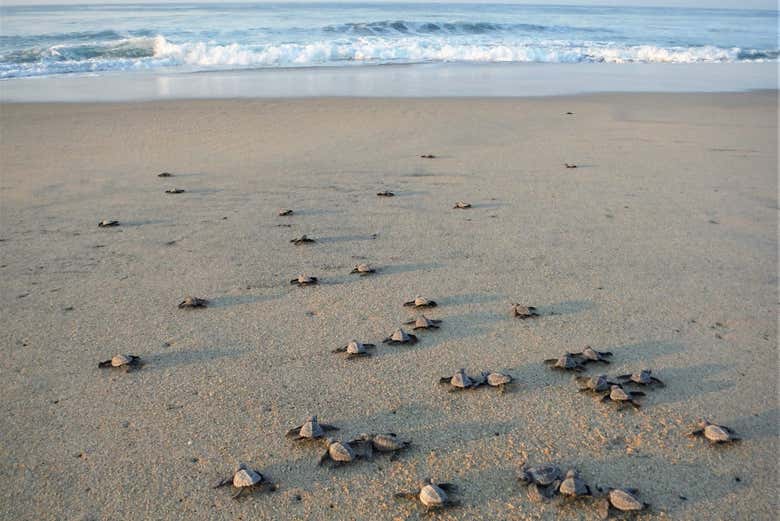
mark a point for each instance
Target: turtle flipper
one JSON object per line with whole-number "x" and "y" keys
{"x": 294, "y": 431}
{"x": 340, "y": 350}
{"x": 324, "y": 457}
{"x": 223, "y": 482}
{"x": 369, "y": 346}
{"x": 623, "y": 377}
{"x": 605, "y": 398}
{"x": 697, "y": 432}
{"x": 447, "y": 487}
{"x": 327, "y": 427}
{"x": 239, "y": 492}
{"x": 656, "y": 380}
{"x": 637, "y": 393}
{"x": 406, "y": 495}
{"x": 105, "y": 364}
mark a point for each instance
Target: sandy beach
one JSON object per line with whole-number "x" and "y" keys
{"x": 661, "y": 247}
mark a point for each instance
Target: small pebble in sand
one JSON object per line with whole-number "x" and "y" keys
{"x": 714, "y": 433}
{"x": 245, "y": 479}
{"x": 124, "y": 362}
{"x": 304, "y": 280}
{"x": 302, "y": 240}
{"x": 431, "y": 494}
{"x": 311, "y": 429}
{"x": 193, "y": 302}
{"x": 355, "y": 349}
{"x": 105, "y": 223}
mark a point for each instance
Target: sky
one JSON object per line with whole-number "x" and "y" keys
{"x": 729, "y": 4}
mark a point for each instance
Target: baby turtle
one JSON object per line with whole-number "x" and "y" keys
{"x": 363, "y": 269}
{"x": 302, "y": 240}
{"x": 714, "y": 433}
{"x": 245, "y": 479}
{"x": 355, "y": 349}
{"x": 366, "y": 444}
{"x": 165, "y": 174}
{"x": 597, "y": 384}
{"x": 644, "y": 377}
{"x": 543, "y": 480}
{"x": 524, "y": 312}
{"x": 338, "y": 453}
{"x": 304, "y": 280}
{"x": 619, "y": 395}
{"x": 570, "y": 165}
{"x": 310, "y": 430}
{"x": 566, "y": 362}
{"x": 105, "y": 223}
{"x": 461, "y": 205}
{"x": 420, "y": 302}
{"x": 574, "y": 487}
{"x": 125, "y": 362}
{"x": 174, "y": 191}
{"x": 284, "y": 212}
{"x": 400, "y": 337}
{"x": 591, "y": 355}
{"x": 623, "y": 499}
{"x": 495, "y": 379}
{"x": 422, "y": 322}
{"x": 431, "y": 494}
{"x": 385, "y": 193}
{"x": 193, "y": 302}
{"x": 428, "y": 156}
{"x": 459, "y": 381}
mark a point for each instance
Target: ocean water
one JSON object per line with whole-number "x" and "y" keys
{"x": 67, "y": 40}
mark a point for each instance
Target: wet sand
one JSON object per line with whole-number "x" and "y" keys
{"x": 660, "y": 247}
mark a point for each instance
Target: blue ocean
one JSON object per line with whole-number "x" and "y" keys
{"x": 94, "y": 39}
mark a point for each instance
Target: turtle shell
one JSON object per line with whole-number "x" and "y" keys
{"x": 624, "y": 500}
{"x": 617, "y": 394}
{"x": 496, "y": 379}
{"x": 311, "y": 429}
{"x": 462, "y": 205}
{"x": 193, "y": 302}
{"x": 544, "y": 474}
{"x": 432, "y": 495}
{"x": 246, "y": 477}
{"x": 400, "y": 336}
{"x": 363, "y": 268}
{"x": 284, "y": 212}
{"x": 423, "y": 323}
{"x": 342, "y": 452}
{"x": 461, "y": 379}
{"x": 573, "y": 486}
{"x": 716, "y": 433}
{"x": 120, "y": 360}
{"x": 386, "y": 442}
{"x": 566, "y": 362}
{"x": 105, "y": 223}
{"x": 305, "y": 279}
{"x": 642, "y": 377}
{"x": 355, "y": 348}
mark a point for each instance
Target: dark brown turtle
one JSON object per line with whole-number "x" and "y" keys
{"x": 285, "y": 212}
{"x": 165, "y": 174}
{"x": 596, "y": 384}
{"x": 363, "y": 269}
{"x": 310, "y": 430}
{"x": 431, "y": 494}
{"x": 338, "y": 453}
{"x": 428, "y": 156}
{"x": 620, "y": 396}
{"x": 715, "y": 434}
{"x": 570, "y": 165}
{"x": 524, "y": 312}
{"x": 175, "y": 191}
{"x": 385, "y": 193}
{"x": 643, "y": 377}
{"x": 420, "y": 302}
{"x": 304, "y": 280}
{"x": 125, "y": 362}
{"x": 496, "y": 379}
{"x": 461, "y": 205}
{"x": 622, "y": 499}
{"x": 302, "y": 240}
{"x": 422, "y": 322}
{"x": 574, "y": 487}
{"x": 355, "y": 349}
{"x": 245, "y": 479}
{"x": 105, "y": 223}
{"x": 591, "y": 355}
{"x": 193, "y": 302}
{"x": 566, "y": 362}
{"x": 400, "y": 337}
{"x": 366, "y": 444}
{"x": 460, "y": 380}
{"x": 543, "y": 480}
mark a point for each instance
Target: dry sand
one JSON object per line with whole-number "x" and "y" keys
{"x": 661, "y": 247}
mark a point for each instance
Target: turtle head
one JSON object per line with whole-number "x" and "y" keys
{"x": 426, "y": 481}
{"x": 571, "y": 473}
{"x": 703, "y": 422}
{"x": 241, "y": 466}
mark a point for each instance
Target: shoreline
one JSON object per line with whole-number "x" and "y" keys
{"x": 403, "y": 81}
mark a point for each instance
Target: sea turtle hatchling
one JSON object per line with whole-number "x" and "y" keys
{"x": 714, "y": 433}
{"x": 400, "y": 337}
{"x": 124, "y": 362}
{"x": 165, "y": 174}
{"x": 355, "y": 349}
{"x": 304, "y": 280}
{"x": 543, "y": 480}
{"x": 366, "y": 444}
{"x": 643, "y": 377}
{"x": 385, "y": 193}
{"x": 106, "y": 223}
{"x": 570, "y": 165}
{"x": 338, "y": 453}
{"x": 310, "y": 430}
{"x": 284, "y": 212}
{"x": 566, "y": 362}
{"x": 175, "y": 191}
{"x": 591, "y": 355}
{"x": 428, "y": 156}
{"x": 363, "y": 269}
{"x": 193, "y": 302}
{"x": 303, "y": 239}
{"x": 496, "y": 379}
{"x": 620, "y": 396}
{"x": 597, "y": 384}
{"x": 622, "y": 499}
{"x": 420, "y": 302}
{"x": 431, "y": 494}
{"x": 523, "y": 312}
{"x": 245, "y": 479}
{"x": 461, "y": 205}
{"x": 460, "y": 380}
{"x": 423, "y": 322}
{"x": 574, "y": 487}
